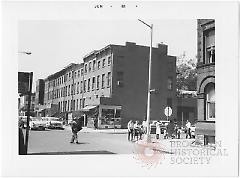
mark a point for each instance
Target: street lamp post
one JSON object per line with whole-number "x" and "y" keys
{"x": 149, "y": 83}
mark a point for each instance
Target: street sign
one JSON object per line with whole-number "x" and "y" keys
{"x": 168, "y": 111}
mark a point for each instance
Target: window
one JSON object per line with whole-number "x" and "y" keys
{"x": 103, "y": 79}
{"x": 81, "y": 87}
{"x": 83, "y": 103}
{"x": 89, "y": 84}
{"x": 84, "y": 86}
{"x": 109, "y": 79}
{"x": 210, "y": 101}
{"x": 69, "y": 75}
{"x": 98, "y": 64}
{"x": 81, "y": 72}
{"x": 170, "y": 83}
{"x": 98, "y": 78}
{"x": 75, "y": 74}
{"x": 80, "y": 103}
{"x": 109, "y": 60}
{"x": 120, "y": 77}
{"x": 85, "y": 71}
{"x": 77, "y": 105}
{"x": 72, "y": 90}
{"x": 93, "y": 83}
{"x": 103, "y": 62}
{"x": 89, "y": 66}
{"x": 94, "y": 64}
{"x": 77, "y": 87}
{"x": 169, "y": 102}
{"x": 209, "y": 46}
{"x": 68, "y": 90}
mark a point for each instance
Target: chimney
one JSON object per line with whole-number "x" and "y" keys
{"x": 163, "y": 48}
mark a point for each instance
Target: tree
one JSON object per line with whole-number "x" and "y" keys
{"x": 186, "y": 73}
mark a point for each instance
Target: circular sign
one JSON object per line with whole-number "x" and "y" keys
{"x": 168, "y": 111}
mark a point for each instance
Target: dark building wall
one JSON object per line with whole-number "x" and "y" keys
{"x": 186, "y": 110}
{"x": 40, "y": 87}
{"x": 132, "y": 92}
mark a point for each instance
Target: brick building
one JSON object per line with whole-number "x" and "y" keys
{"x": 205, "y": 128}
{"x": 111, "y": 85}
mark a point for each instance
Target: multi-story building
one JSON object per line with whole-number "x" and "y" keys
{"x": 111, "y": 85}
{"x": 205, "y": 128}
{"x": 39, "y": 97}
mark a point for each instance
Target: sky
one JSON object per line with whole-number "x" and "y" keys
{"x": 55, "y": 44}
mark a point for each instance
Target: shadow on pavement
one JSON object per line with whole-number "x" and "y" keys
{"x": 72, "y": 153}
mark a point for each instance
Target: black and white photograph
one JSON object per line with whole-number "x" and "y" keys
{"x": 102, "y": 87}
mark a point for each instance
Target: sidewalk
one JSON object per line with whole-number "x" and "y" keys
{"x": 92, "y": 130}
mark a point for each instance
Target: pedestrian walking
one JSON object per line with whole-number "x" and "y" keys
{"x": 188, "y": 129}
{"x": 158, "y": 130}
{"x": 76, "y": 126}
{"x": 130, "y": 130}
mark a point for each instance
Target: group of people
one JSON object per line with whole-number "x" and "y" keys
{"x": 172, "y": 130}
{"x": 135, "y": 130}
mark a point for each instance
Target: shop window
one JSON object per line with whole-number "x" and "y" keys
{"x": 210, "y": 101}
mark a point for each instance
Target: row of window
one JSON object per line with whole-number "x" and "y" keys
{"x": 71, "y": 105}
{"x": 91, "y": 66}
{"x": 83, "y": 86}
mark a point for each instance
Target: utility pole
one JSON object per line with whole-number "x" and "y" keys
{"x": 149, "y": 83}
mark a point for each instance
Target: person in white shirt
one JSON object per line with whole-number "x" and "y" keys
{"x": 130, "y": 130}
{"x": 158, "y": 130}
{"x": 188, "y": 128}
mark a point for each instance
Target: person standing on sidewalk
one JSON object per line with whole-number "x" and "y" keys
{"x": 188, "y": 127}
{"x": 158, "y": 130}
{"x": 130, "y": 130}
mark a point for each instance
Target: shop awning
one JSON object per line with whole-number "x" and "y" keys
{"x": 88, "y": 108}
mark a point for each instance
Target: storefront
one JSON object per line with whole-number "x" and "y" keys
{"x": 103, "y": 116}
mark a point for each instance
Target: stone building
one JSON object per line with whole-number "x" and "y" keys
{"x": 205, "y": 127}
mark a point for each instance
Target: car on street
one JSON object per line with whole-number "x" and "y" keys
{"x": 37, "y": 123}
{"x": 54, "y": 123}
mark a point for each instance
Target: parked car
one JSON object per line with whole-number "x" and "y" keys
{"x": 54, "y": 123}
{"x": 23, "y": 121}
{"x": 37, "y": 124}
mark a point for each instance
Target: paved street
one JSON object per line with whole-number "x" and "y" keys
{"x": 52, "y": 141}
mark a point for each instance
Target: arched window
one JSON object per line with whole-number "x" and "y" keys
{"x": 210, "y": 101}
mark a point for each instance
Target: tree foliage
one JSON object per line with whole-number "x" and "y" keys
{"x": 186, "y": 73}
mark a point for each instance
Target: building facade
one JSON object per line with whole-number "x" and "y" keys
{"x": 205, "y": 128}
{"x": 110, "y": 86}
{"x": 39, "y": 97}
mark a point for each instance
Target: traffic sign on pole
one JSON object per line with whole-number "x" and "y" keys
{"x": 168, "y": 111}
